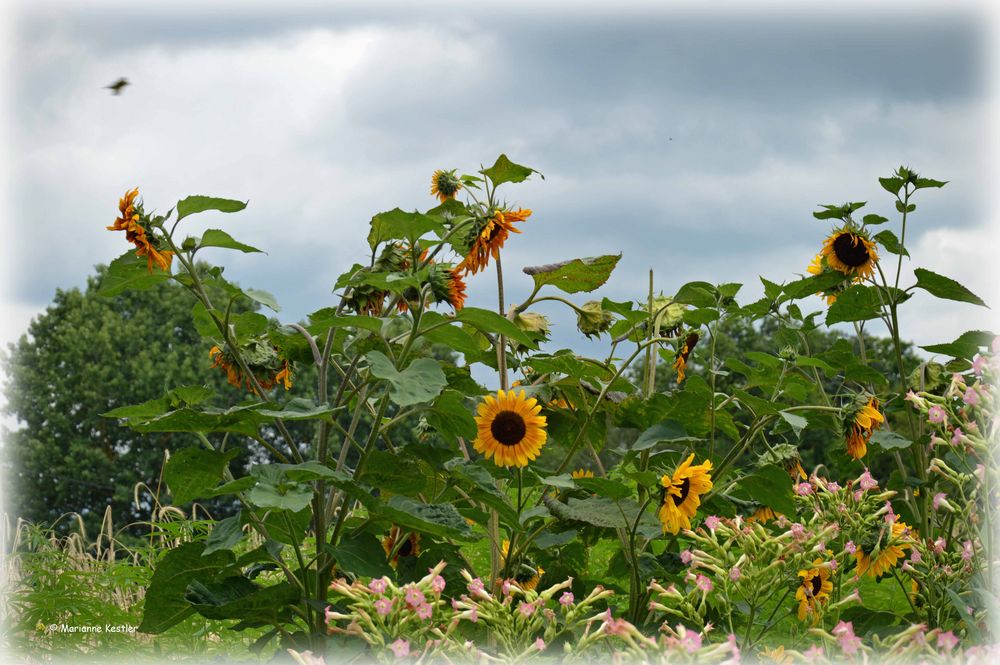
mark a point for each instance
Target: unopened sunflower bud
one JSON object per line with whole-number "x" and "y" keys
{"x": 788, "y": 353}
{"x": 592, "y": 320}
{"x": 532, "y": 322}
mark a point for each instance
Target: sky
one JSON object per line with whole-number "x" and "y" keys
{"x": 696, "y": 143}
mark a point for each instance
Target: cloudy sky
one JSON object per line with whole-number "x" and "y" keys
{"x": 696, "y": 144}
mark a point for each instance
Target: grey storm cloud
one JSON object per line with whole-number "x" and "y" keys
{"x": 695, "y": 144}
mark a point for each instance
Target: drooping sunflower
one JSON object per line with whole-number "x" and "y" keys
{"x": 866, "y": 419}
{"x": 263, "y": 361}
{"x": 447, "y": 286}
{"x": 680, "y": 362}
{"x": 528, "y": 575}
{"x": 409, "y": 547}
{"x": 814, "y": 590}
{"x": 851, "y": 252}
{"x": 130, "y": 220}
{"x": 763, "y": 514}
{"x": 445, "y": 184}
{"x": 878, "y": 558}
{"x": 490, "y": 235}
{"x": 682, "y": 494}
{"x": 582, "y": 473}
{"x": 510, "y": 429}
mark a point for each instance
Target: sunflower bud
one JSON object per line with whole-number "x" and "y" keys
{"x": 592, "y": 320}
{"x": 532, "y": 322}
{"x": 788, "y": 353}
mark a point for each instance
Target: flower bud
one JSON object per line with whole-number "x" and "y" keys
{"x": 592, "y": 320}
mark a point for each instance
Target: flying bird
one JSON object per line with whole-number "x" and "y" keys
{"x": 117, "y": 87}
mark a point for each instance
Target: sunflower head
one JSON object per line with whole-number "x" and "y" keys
{"x": 850, "y": 251}
{"x": 582, "y": 473}
{"x": 262, "y": 358}
{"x": 879, "y": 553}
{"x": 681, "y": 494}
{"x": 447, "y": 285}
{"x": 395, "y": 550}
{"x": 445, "y": 184}
{"x": 680, "y": 361}
{"x": 138, "y": 231}
{"x": 763, "y": 514}
{"x": 863, "y": 420}
{"x": 814, "y": 590}
{"x": 510, "y": 429}
{"x": 528, "y": 575}
{"x": 592, "y": 320}
{"x": 487, "y": 236}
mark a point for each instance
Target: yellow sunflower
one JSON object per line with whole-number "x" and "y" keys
{"x": 490, "y": 238}
{"x": 778, "y": 655}
{"x": 447, "y": 286}
{"x": 527, "y": 576}
{"x": 814, "y": 590}
{"x": 878, "y": 559}
{"x": 582, "y": 473}
{"x": 510, "y": 429}
{"x": 445, "y": 184}
{"x": 866, "y": 420}
{"x": 409, "y": 547}
{"x": 269, "y": 371}
{"x": 851, "y": 253}
{"x": 682, "y": 494}
{"x": 763, "y": 514}
{"x": 130, "y": 221}
{"x": 680, "y": 363}
{"x": 816, "y": 268}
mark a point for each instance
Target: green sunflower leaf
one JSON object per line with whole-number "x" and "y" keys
{"x": 606, "y": 487}
{"x": 945, "y": 287}
{"x": 504, "y": 170}
{"x": 890, "y": 440}
{"x": 421, "y": 382}
{"x": 699, "y": 294}
{"x": 575, "y": 275}
{"x": 891, "y": 243}
{"x": 196, "y": 204}
{"x": 771, "y": 486}
{"x": 856, "y": 303}
{"x": 814, "y": 284}
{"x": 397, "y": 224}
{"x": 263, "y": 297}
{"x": 922, "y": 183}
{"x": 439, "y": 519}
{"x": 192, "y": 473}
{"x": 225, "y": 534}
{"x": 284, "y": 496}
{"x": 362, "y": 555}
{"x": 891, "y": 185}
{"x": 129, "y": 271}
{"x": 491, "y": 322}
{"x": 166, "y": 604}
{"x": 872, "y": 220}
{"x": 596, "y": 510}
{"x": 966, "y": 346}
{"x": 217, "y": 238}
{"x": 451, "y": 417}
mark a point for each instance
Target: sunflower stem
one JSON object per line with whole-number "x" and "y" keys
{"x": 494, "y": 524}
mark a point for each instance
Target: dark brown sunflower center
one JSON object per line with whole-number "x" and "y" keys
{"x": 407, "y": 548}
{"x": 524, "y": 575}
{"x": 508, "y": 428}
{"x": 685, "y": 488}
{"x": 817, "y": 584}
{"x": 850, "y": 249}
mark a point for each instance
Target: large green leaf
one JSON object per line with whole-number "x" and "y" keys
{"x": 196, "y": 204}
{"x": 421, "y": 382}
{"x": 771, "y": 486}
{"x": 491, "y": 322}
{"x": 166, "y": 604}
{"x": 945, "y": 287}
{"x": 361, "y": 555}
{"x": 283, "y": 496}
{"x": 193, "y": 472}
{"x": 397, "y": 224}
{"x": 606, "y": 487}
{"x": 891, "y": 243}
{"x": 393, "y": 473}
{"x": 575, "y": 275}
{"x": 890, "y": 440}
{"x": 481, "y": 486}
{"x": 668, "y": 431}
{"x": 236, "y": 597}
{"x": 129, "y": 271}
{"x": 225, "y": 534}
{"x": 218, "y": 238}
{"x": 504, "y": 170}
{"x": 857, "y": 303}
{"x": 808, "y": 286}
{"x": 451, "y": 416}
{"x": 966, "y": 346}
{"x": 597, "y": 510}
{"x": 440, "y": 519}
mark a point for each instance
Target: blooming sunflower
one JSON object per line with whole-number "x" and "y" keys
{"x": 510, "y": 429}
{"x": 409, "y": 547}
{"x": 528, "y": 575}
{"x": 850, "y": 252}
{"x": 778, "y": 655}
{"x": 130, "y": 221}
{"x": 490, "y": 236}
{"x": 763, "y": 514}
{"x": 582, "y": 473}
{"x": 866, "y": 420}
{"x": 682, "y": 494}
{"x": 680, "y": 363}
{"x": 814, "y": 589}
{"x": 878, "y": 559}
{"x": 445, "y": 184}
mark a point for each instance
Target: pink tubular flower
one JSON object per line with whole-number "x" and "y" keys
{"x": 936, "y": 414}
{"x": 691, "y": 641}
{"x": 415, "y": 597}
{"x": 846, "y": 638}
{"x": 476, "y": 585}
{"x": 712, "y": 522}
{"x": 804, "y": 489}
{"x": 798, "y": 531}
{"x": 916, "y": 556}
{"x": 505, "y": 587}
{"x": 939, "y": 545}
{"x": 686, "y": 557}
{"x": 526, "y": 609}
{"x": 425, "y": 611}
{"x": 978, "y": 364}
{"x": 938, "y": 499}
{"x": 566, "y": 599}
{"x": 613, "y": 626}
{"x": 703, "y": 583}
{"x": 474, "y": 615}
{"x": 379, "y": 586}
{"x": 947, "y": 641}
{"x": 956, "y": 436}
{"x": 540, "y": 644}
{"x": 437, "y": 584}
{"x": 735, "y": 573}
{"x": 833, "y": 486}
{"x": 850, "y": 547}
{"x": 890, "y": 516}
{"x": 813, "y": 653}
{"x": 967, "y": 550}
{"x": 971, "y": 397}
{"x": 383, "y": 606}
{"x": 401, "y": 648}
{"x": 866, "y": 482}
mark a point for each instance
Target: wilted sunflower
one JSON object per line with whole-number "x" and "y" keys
{"x": 682, "y": 494}
{"x": 490, "y": 235}
{"x": 814, "y": 590}
{"x": 409, "y": 547}
{"x": 445, "y": 184}
{"x": 510, "y": 429}
{"x": 680, "y": 363}
{"x": 866, "y": 420}
{"x": 447, "y": 286}
{"x": 130, "y": 221}
{"x": 878, "y": 559}
{"x": 262, "y": 359}
{"x": 850, "y": 252}
{"x": 527, "y": 576}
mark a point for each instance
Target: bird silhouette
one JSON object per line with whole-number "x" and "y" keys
{"x": 117, "y": 87}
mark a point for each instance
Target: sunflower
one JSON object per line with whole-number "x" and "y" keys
{"x": 778, "y": 655}
{"x": 409, "y": 547}
{"x": 878, "y": 559}
{"x": 447, "y": 286}
{"x": 682, "y": 492}
{"x": 866, "y": 420}
{"x": 582, "y": 473}
{"x": 814, "y": 590}
{"x": 262, "y": 359}
{"x": 445, "y": 184}
{"x": 850, "y": 252}
{"x": 680, "y": 363}
{"x": 510, "y": 429}
{"x": 130, "y": 221}
{"x": 490, "y": 235}
{"x": 528, "y": 575}
{"x": 816, "y": 267}
{"x": 763, "y": 514}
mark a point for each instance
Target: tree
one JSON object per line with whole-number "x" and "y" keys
{"x": 84, "y": 356}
